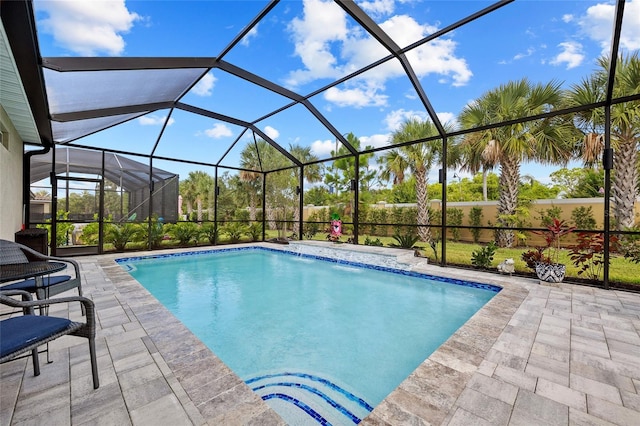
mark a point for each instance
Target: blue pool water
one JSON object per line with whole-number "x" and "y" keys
{"x": 320, "y": 342}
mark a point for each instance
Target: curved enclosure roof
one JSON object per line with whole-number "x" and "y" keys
{"x": 198, "y": 81}
{"x": 125, "y": 172}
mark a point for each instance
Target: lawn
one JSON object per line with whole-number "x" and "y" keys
{"x": 621, "y": 270}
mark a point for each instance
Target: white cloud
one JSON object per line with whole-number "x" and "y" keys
{"x": 378, "y": 7}
{"x": 571, "y": 55}
{"x": 447, "y": 117}
{"x": 357, "y": 97}
{"x": 322, "y": 149}
{"x": 271, "y": 132}
{"x": 376, "y": 141}
{"x": 154, "y": 120}
{"x": 328, "y": 48}
{"x": 253, "y": 33}
{"x": 218, "y": 131}
{"x": 394, "y": 119}
{"x": 204, "y": 87}
{"x": 598, "y": 21}
{"x": 323, "y": 23}
{"x": 530, "y": 52}
{"x": 88, "y": 27}
{"x": 567, "y": 18}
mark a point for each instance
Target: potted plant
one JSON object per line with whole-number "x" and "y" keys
{"x": 545, "y": 260}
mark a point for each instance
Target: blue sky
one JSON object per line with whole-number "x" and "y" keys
{"x": 304, "y": 45}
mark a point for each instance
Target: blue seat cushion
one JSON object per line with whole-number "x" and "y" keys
{"x": 30, "y": 285}
{"x": 19, "y": 332}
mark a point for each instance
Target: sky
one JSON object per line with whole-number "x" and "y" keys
{"x": 305, "y": 45}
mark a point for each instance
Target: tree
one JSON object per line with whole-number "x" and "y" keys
{"x": 312, "y": 174}
{"x": 258, "y": 157}
{"x": 252, "y": 180}
{"x": 340, "y": 174}
{"x": 418, "y": 158}
{"x": 196, "y": 189}
{"x": 548, "y": 141}
{"x": 580, "y": 182}
{"x": 625, "y": 129}
{"x": 479, "y": 157}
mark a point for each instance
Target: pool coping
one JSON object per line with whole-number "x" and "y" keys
{"x": 568, "y": 354}
{"x": 221, "y": 397}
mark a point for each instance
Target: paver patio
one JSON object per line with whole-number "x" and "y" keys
{"x": 535, "y": 354}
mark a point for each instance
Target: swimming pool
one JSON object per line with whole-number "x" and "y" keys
{"x": 318, "y": 341}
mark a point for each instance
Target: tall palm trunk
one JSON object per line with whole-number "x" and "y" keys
{"x": 252, "y": 207}
{"x": 424, "y": 232}
{"x": 485, "y": 173}
{"x": 296, "y": 221}
{"x": 508, "y": 202}
{"x": 625, "y": 181}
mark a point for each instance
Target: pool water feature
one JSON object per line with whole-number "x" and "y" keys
{"x": 320, "y": 341}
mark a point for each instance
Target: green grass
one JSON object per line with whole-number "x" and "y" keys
{"x": 621, "y": 270}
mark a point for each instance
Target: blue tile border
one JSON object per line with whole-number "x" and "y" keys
{"x": 489, "y": 287}
{"x": 364, "y": 404}
{"x": 304, "y": 407}
{"x": 337, "y": 406}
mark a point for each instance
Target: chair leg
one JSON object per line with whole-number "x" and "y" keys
{"x": 36, "y": 362}
{"x": 94, "y": 363}
{"x": 82, "y": 309}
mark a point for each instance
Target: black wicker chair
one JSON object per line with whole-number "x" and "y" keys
{"x": 12, "y": 253}
{"x": 25, "y": 333}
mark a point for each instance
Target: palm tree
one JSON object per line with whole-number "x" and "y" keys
{"x": 312, "y": 174}
{"x": 261, "y": 156}
{"x": 625, "y": 130}
{"x": 548, "y": 141}
{"x": 477, "y": 161}
{"x": 194, "y": 190}
{"x": 418, "y": 158}
{"x": 250, "y": 159}
{"x": 342, "y": 171}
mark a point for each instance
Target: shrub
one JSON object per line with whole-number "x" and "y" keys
{"x": 588, "y": 253}
{"x": 120, "y": 234}
{"x": 582, "y": 218}
{"x": 547, "y": 216}
{"x": 378, "y": 216}
{"x": 454, "y": 218}
{"x": 185, "y": 233}
{"x": 254, "y": 231}
{"x": 151, "y": 234}
{"x": 475, "y": 219}
{"x": 483, "y": 257}
{"x": 407, "y": 240}
{"x": 209, "y": 231}
{"x": 370, "y": 242}
{"x": 535, "y": 256}
{"x": 235, "y": 231}
{"x": 310, "y": 229}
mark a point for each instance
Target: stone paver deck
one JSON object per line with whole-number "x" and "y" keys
{"x": 535, "y": 354}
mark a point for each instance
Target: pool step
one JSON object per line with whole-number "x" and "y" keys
{"x": 296, "y": 396}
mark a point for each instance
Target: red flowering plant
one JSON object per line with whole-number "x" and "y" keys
{"x": 588, "y": 253}
{"x": 550, "y": 253}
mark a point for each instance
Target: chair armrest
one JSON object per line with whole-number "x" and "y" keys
{"x": 26, "y": 296}
{"x": 36, "y": 255}
{"x": 88, "y": 304}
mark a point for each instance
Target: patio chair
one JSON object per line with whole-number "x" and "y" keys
{"x": 25, "y": 333}
{"x": 11, "y": 253}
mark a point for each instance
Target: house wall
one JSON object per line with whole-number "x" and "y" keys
{"x": 11, "y": 151}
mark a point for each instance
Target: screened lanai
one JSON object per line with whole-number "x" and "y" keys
{"x": 418, "y": 120}
{"x": 125, "y": 176}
